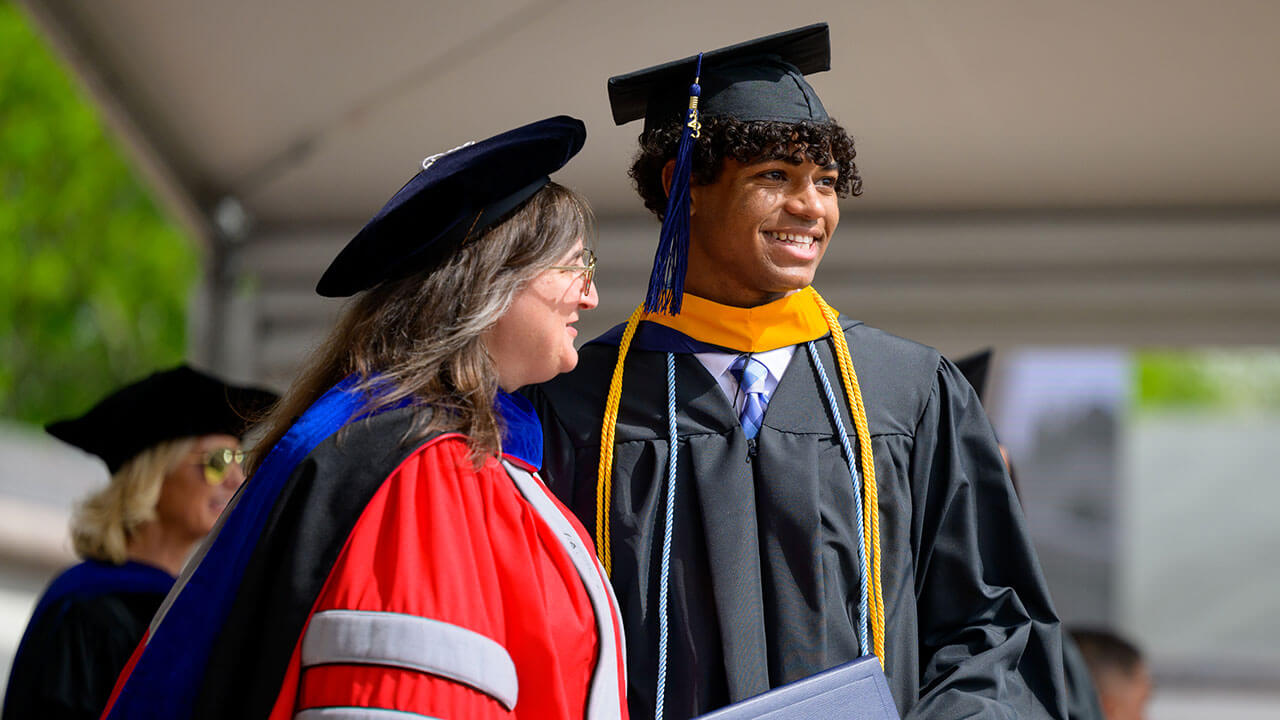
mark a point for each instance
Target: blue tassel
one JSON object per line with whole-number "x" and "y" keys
{"x": 666, "y": 284}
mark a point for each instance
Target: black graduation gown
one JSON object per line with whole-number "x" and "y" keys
{"x": 764, "y": 569}
{"x": 79, "y": 639}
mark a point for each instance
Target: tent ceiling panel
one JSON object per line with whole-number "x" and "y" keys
{"x": 312, "y": 111}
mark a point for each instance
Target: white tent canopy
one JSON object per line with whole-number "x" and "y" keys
{"x": 1082, "y": 172}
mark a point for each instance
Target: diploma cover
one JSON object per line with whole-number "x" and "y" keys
{"x": 856, "y": 690}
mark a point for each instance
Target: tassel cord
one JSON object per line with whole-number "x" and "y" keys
{"x": 670, "y": 260}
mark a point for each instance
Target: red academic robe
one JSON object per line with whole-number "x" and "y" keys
{"x": 464, "y": 547}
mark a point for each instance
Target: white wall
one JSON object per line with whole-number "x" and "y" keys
{"x": 40, "y": 479}
{"x": 1199, "y": 571}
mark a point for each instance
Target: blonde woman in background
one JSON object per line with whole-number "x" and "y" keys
{"x": 171, "y": 443}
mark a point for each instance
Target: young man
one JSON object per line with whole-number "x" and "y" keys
{"x": 774, "y": 499}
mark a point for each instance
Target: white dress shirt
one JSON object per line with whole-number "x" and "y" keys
{"x": 718, "y": 363}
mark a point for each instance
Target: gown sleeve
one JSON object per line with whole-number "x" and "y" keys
{"x": 990, "y": 641}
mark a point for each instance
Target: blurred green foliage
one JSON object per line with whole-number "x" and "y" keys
{"x": 1235, "y": 379}
{"x": 94, "y": 278}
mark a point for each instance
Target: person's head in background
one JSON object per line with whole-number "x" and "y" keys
{"x": 975, "y": 367}
{"x": 1119, "y": 673}
{"x": 171, "y": 443}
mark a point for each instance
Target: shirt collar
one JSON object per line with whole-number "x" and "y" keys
{"x": 775, "y": 361}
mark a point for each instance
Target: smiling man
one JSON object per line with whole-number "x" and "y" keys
{"x": 774, "y": 487}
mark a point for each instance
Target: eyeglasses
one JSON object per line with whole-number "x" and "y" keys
{"x": 588, "y": 269}
{"x": 217, "y": 462}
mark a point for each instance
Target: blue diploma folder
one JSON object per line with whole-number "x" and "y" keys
{"x": 856, "y": 690}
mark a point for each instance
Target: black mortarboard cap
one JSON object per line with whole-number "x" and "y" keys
{"x": 761, "y": 79}
{"x": 974, "y": 368}
{"x": 167, "y": 405}
{"x": 457, "y": 195}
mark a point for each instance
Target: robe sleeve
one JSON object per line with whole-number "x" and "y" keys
{"x": 990, "y": 641}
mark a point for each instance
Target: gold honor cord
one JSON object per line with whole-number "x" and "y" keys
{"x": 605, "y": 487}
{"x": 871, "y": 509}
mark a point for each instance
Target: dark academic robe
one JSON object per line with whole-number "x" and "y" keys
{"x": 764, "y": 567}
{"x": 83, "y": 629}
{"x": 358, "y": 576}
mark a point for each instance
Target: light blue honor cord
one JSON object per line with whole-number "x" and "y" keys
{"x": 663, "y": 585}
{"x": 666, "y": 534}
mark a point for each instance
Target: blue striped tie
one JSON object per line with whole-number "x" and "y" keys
{"x": 750, "y": 374}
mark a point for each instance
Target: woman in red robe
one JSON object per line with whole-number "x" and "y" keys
{"x": 395, "y": 551}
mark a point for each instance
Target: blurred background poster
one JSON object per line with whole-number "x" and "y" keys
{"x": 1148, "y": 479}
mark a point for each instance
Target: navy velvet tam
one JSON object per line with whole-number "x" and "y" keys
{"x": 456, "y": 197}
{"x": 167, "y": 405}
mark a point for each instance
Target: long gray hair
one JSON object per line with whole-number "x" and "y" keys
{"x": 420, "y": 338}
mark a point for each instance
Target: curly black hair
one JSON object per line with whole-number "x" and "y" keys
{"x": 746, "y": 142}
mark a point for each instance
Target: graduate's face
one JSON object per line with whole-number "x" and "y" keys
{"x": 759, "y": 232}
{"x": 189, "y": 504}
{"x": 533, "y": 341}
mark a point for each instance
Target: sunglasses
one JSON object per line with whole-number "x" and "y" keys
{"x": 588, "y": 269}
{"x": 218, "y": 462}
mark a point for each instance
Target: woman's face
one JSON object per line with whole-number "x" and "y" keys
{"x": 533, "y": 341}
{"x": 191, "y": 498}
